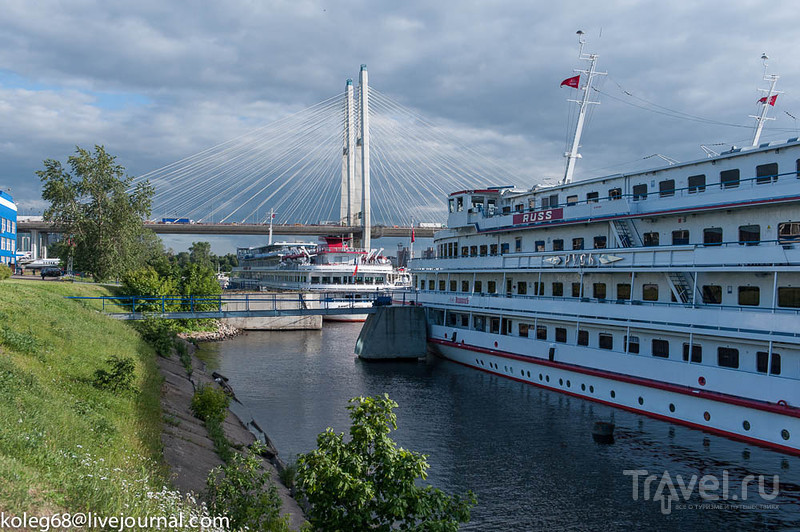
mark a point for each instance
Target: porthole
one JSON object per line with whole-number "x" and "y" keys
{"x": 568, "y": 384}
{"x": 591, "y": 389}
{"x": 561, "y": 382}
{"x": 540, "y": 376}
{"x": 746, "y": 425}
{"x": 706, "y": 416}
{"x": 785, "y": 434}
{"x": 671, "y": 407}
{"x": 641, "y": 401}
{"x": 477, "y": 361}
{"x": 701, "y": 381}
{"x": 613, "y": 394}
{"x": 583, "y": 387}
{"x": 529, "y": 374}
{"x": 495, "y": 344}
{"x": 522, "y": 372}
{"x": 547, "y": 378}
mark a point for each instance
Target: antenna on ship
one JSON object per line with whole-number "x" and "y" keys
{"x": 583, "y": 103}
{"x": 271, "y": 216}
{"x": 766, "y": 101}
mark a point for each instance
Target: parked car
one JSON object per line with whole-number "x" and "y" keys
{"x": 50, "y": 271}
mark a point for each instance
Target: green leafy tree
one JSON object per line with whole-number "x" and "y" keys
{"x": 197, "y": 281}
{"x": 99, "y": 211}
{"x": 368, "y": 483}
{"x": 148, "y": 282}
{"x": 200, "y": 253}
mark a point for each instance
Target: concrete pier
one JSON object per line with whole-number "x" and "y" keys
{"x": 393, "y": 333}
{"x": 270, "y": 323}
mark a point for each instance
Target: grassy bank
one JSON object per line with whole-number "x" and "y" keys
{"x": 66, "y": 444}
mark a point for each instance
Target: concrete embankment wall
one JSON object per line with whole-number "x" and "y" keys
{"x": 393, "y": 333}
{"x": 276, "y": 323}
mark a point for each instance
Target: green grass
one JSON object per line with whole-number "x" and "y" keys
{"x": 66, "y": 445}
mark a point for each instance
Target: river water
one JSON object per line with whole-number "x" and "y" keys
{"x": 526, "y": 453}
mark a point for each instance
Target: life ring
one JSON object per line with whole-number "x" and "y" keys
{"x": 783, "y": 403}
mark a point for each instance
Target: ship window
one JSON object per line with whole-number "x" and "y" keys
{"x": 766, "y": 173}
{"x": 749, "y": 295}
{"x": 712, "y": 236}
{"x": 494, "y": 325}
{"x": 592, "y": 197}
{"x": 623, "y": 291}
{"x": 650, "y": 292}
{"x": 639, "y": 192}
{"x": 538, "y": 289}
{"x": 615, "y": 193}
{"x": 492, "y": 286}
{"x": 650, "y": 239}
{"x": 522, "y": 288}
{"x": 493, "y": 249}
{"x": 473, "y": 251}
{"x": 545, "y": 202}
{"x": 600, "y": 242}
{"x": 441, "y": 285}
{"x": 436, "y": 316}
{"x": 729, "y": 178}
{"x": 561, "y": 334}
{"x": 477, "y": 201}
{"x": 539, "y": 245}
{"x": 697, "y": 353}
{"x": 666, "y": 188}
{"x": 572, "y": 200}
{"x": 577, "y": 243}
{"x": 788, "y": 232}
{"x": 727, "y": 357}
{"x": 762, "y": 359}
{"x": 558, "y": 289}
{"x": 519, "y": 207}
{"x": 504, "y": 248}
{"x": 431, "y": 285}
{"x": 479, "y": 323}
{"x": 797, "y": 167}
{"x": 599, "y": 290}
{"x": 606, "y": 341}
{"x": 452, "y": 205}
{"x": 459, "y": 204}
{"x": 326, "y": 280}
{"x": 554, "y": 200}
{"x": 506, "y": 209}
{"x": 465, "y": 286}
{"x": 464, "y": 251}
{"x": 518, "y": 244}
{"x": 452, "y": 285}
{"x": 315, "y": 279}
{"x": 421, "y": 284}
{"x": 697, "y": 183}
{"x": 583, "y": 337}
{"x": 541, "y": 332}
{"x": 660, "y": 348}
{"x": 576, "y": 289}
{"x": 680, "y": 237}
{"x": 558, "y": 243}
{"x": 712, "y": 294}
{"x": 789, "y": 296}
{"x": 465, "y": 321}
{"x": 632, "y": 344}
{"x": 523, "y": 329}
{"x": 749, "y": 235}
{"x": 484, "y": 250}
{"x": 477, "y": 287}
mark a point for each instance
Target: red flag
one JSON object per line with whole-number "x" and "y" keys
{"x": 412, "y": 234}
{"x": 571, "y": 82}
{"x": 771, "y": 99}
{"x": 356, "y": 270}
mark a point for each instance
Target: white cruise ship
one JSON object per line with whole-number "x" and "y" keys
{"x": 672, "y": 292}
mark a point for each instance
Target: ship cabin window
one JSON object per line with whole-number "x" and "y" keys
{"x": 473, "y": 251}
{"x": 558, "y": 243}
{"x": 477, "y": 287}
{"x": 538, "y": 289}
{"x": 599, "y": 290}
{"x": 541, "y": 332}
{"x": 666, "y": 188}
{"x": 518, "y": 244}
{"x": 441, "y": 285}
{"x": 436, "y": 316}
{"x": 624, "y": 291}
{"x": 606, "y": 341}
{"x": 531, "y": 204}
{"x": 639, "y": 192}
{"x": 492, "y": 249}
{"x": 766, "y": 173}
{"x": 660, "y": 348}
{"x": 797, "y": 168}
{"x": 762, "y": 360}
{"x": 561, "y": 334}
{"x": 494, "y": 325}
{"x": 431, "y": 285}
{"x": 523, "y": 329}
{"x": 550, "y": 201}
{"x": 504, "y": 248}
{"x": 600, "y": 242}
{"x": 558, "y": 289}
{"x": 519, "y": 207}
{"x": 697, "y": 183}
{"x": 577, "y": 243}
{"x": 459, "y": 204}
{"x": 789, "y": 296}
{"x": 749, "y": 295}
{"x": 492, "y": 287}
{"x": 680, "y": 237}
{"x": 479, "y": 323}
{"x": 452, "y": 205}
{"x": 650, "y": 292}
{"x": 583, "y": 337}
{"x": 572, "y": 200}
{"x": 749, "y": 235}
{"x": 712, "y": 294}
{"x": 539, "y": 245}
{"x": 484, "y": 250}
{"x": 788, "y": 232}
{"x": 522, "y": 288}
{"x": 315, "y": 279}
{"x": 326, "y": 280}
{"x": 615, "y": 193}
{"x": 632, "y": 344}
{"x": 592, "y": 197}
{"x": 712, "y": 236}
{"x": 650, "y": 239}
{"x": 465, "y": 321}
{"x": 464, "y": 251}
{"x": 477, "y": 203}
{"x": 465, "y": 286}
{"x": 506, "y": 209}
{"x": 576, "y": 289}
{"x": 452, "y": 285}
{"x": 491, "y": 206}
{"x": 727, "y": 357}
{"x": 729, "y": 178}
{"x": 697, "y": 353}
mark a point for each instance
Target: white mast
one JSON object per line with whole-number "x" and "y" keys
{"x": 271, "y": 216}
{"x": 765, "y": 101}
{"x": 365, "y": 197}
{"x": 584, "y": 103}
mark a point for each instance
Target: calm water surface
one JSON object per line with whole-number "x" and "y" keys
{"x": 527, "y": 453}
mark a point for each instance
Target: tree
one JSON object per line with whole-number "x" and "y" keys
{"x": 199, "y": 281}
{"x": 200, "y": 253}
{"x": 370, "y": 484}
{"x": 99, "y": 211}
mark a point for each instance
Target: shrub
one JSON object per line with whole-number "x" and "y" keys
{"x": 210, "y": 403}
{"x": 158, "y": 333}
{"x": 5, "y": 272}
{"x": 119, "y": 378}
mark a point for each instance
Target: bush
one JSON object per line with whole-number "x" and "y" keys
{"x": 5, "y": 272}
{"x": 119, "y": 378}
{"x": 159, "y": 333}
{"x": 210, "y": 403}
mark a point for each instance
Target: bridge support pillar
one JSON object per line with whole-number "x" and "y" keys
{"x": 394, "y": 333}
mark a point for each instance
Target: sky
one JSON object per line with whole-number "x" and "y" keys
{"x": 155, "y": 81}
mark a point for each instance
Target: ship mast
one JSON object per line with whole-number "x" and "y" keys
{"x": 766, "y": 102}
{"x": 584, "y": 103}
